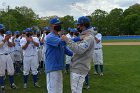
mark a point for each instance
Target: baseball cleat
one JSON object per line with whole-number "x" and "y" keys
{"x": 101, "y": 74}
{"x": 37, "y": 85}
{"x": 25, "y": 85}
{"x": 86, "y": 87}
{"x": 95, "y": 73}
{"x": 13, "y": 86}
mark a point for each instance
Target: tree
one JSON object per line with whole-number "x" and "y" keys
{"x": 99, "y": 20}
{"x": 68, "y": 22}
{"x": 114, "y": 20}
{"x": 131, "y": 20}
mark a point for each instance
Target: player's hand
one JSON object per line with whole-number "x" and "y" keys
{"x": 14, "y": 36}
{"x": 5, "y": 39}
{"x": 83, "y": 36}
{"x": 28, "y": 39}
{"x": 31, "y": 39}
{"x": 44, "y": 33}
{"x": 63, "y": 37}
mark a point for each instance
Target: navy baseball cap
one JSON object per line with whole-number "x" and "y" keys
{"x": 17, "y": 33}
{"x": 8, "y": 32}
{"x": 1, "y": 26}
{"x": 82, "y": 20}
{"x": 55, "y": 20}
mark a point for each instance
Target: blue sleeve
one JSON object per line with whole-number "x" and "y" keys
{"x": 53, "y": 41}
{"x": 76, "y": 39}
{"x": 68, "y": 51}
{"x": 63, "y": 43}
{"x": 41, "y": 43}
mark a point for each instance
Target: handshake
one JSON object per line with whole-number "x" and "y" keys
{"x": 65, "y": 38}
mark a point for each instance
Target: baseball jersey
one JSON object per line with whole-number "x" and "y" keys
{"x": 99, "y": 44}
{"x": 5, "y": 48}
{"x": 56, "y": 49}
{"x": 11, "y": 48}
{"x": 17, "y": 43}
{"x": 31, "y": 50}
{"x": 44, "y": 45}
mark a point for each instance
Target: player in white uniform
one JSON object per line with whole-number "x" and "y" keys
{"x": 42, "y": 41}
{"x": 17, "y": 51}
{"x": 6, "y": 62}
{"x": 98, "y": 53}
{"x": 68, "y": 58}
{"x": 30, "y": 60}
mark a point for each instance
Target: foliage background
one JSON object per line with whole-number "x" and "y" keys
{"x": 116, "y": 22}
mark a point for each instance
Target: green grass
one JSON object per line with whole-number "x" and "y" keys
{"x": 121, "y": 74}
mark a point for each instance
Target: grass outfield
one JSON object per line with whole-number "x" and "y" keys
{"x": 121, "y": 74}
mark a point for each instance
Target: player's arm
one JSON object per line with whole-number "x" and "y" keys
{"x": 54, "y": 41}
{"x": 79, "y": 47}
{"x": 13, "y": 42}
{"x": 68, "y": 51}
{"x": 97, "y": 40}
{"x": 35, "y": 42}
{"x": 9, "y": 42}
{"x": 42, "y": 39}
{"x": 1, "y": 44}
{"x": 24, "y": 44}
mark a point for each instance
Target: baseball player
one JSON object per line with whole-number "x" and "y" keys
{"x": 68, "y": 58}
{"x": 46, "y": 31}
{"x": 98, "y": 54}
{"x": 80, "y": 64}
{"x": 54, "y": 61}
{"x": 6, "y": 62}
{"x": 39, "y": 50}
{"x": 17, "y": 51}
{"x": 30, "y": 60}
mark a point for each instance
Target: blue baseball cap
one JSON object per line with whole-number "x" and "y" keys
{"x": 17, "y": 33}
{"x": 82, "y": 20}
{"x": 69, "y": 28}
{"x": 23, "y": 31}
{"x": 55, "y": 20}
{"x": 28, "y": 30}
{"x": 46, "y": 28}
{"x": 8, "y": 32}
{"x": 38, "y": 31}
{"x": 74, "y": 30}
{"x": 1, "y": 26}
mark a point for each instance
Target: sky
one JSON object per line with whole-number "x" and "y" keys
{"x": 62, "y": 8}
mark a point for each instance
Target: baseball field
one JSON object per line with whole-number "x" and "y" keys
{"x": 121, "y": 74}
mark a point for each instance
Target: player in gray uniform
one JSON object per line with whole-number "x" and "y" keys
{"x": 6, "y": 62}
{"x": 98, "y": 53}
{"x": 80, "y": 63}
{"x": 30, "y": 60}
